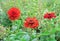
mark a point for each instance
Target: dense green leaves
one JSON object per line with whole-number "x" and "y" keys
{"x": 15, "y": 31}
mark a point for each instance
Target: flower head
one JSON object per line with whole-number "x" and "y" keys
{"x": 13, "y": 13}
{"x": 31, "y": 22}
{"x": 49, "y": 15}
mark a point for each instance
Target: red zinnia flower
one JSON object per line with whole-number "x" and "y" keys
{"x": 49, "y": 15}
{"x": 31, "y": 23}
{"x": 14, "y": 13}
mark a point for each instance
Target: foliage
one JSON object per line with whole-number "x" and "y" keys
{"x": 48, "y": 30}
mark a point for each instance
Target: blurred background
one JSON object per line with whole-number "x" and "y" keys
{"x": 48, "y": 30}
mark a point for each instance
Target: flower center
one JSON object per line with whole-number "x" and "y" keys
{"x": 13, "y": 12}
{"x": 49, "y": 16}
{"x": 31, "y": 22}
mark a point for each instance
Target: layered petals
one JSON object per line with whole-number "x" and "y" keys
{"x": 14, "y": 13}
{"x": 31, "y": 22}
{"x": 49, "y": 15}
